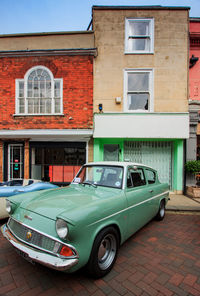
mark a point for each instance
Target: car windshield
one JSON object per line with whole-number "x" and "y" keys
{"x": 100, "y": 175}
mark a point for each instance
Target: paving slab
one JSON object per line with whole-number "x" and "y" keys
{"x": 179, "y": 202}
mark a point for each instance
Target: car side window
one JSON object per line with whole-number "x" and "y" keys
{"x": 135, "y": 178}
{"x": 129, "y": 180}
{"x": 15, "y": 183}
{"x": 151, "y": 176}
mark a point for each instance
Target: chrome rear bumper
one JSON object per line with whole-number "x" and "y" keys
{"x": 35, "y": 255}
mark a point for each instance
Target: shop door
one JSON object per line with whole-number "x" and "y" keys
{"x": 156, "y": 154}
{"x": 15, "y": 161}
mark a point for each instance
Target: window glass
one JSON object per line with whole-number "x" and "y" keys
{"x": 21, "y": 105}
{"x": 57, "y": 89}
{"x": 138, "y": 28}
{"x": 139, "y": 35}
{"x": 42, "y": 93}
{"x": 151, "y": 176}
{"x": 57, "y": 164}
{"x": 135, "y": 178}
{"x": 111, "y": 152}
{"x": 107, "y": 176}
{"x": 57, "y": 106}
{"x": 59, "y": 156}
{"x": 138, "y": 101}
{"x": 15, "y": 161}
{"x": 139, "y": 90}
{"x": 138, "y": 81}
{"x": 30, "y": 182}
{"x": 21, "y": 89}
{"x": 129, "y": 180}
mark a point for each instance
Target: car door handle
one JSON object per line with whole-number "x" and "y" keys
{"x": 151, "y": 191}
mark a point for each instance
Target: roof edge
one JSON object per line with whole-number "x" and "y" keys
{"x": 49, "y": 52}
{"x": 194, "y": 19}
{"x": 46, "y": 34}
{"x": 153, "y": 7}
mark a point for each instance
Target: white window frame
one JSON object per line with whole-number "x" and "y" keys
{"x": 151, "y": 90}
{"x": 150, "y": 36}
{"x": 25, "y": 80}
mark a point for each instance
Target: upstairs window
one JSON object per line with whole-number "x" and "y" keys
{"x": 138, "y": 85}
{"x": 39, "y": 93}
{"x": 139, "y": 34}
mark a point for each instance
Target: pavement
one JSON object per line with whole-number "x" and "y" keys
{"x": 163, "y": 258}
{"x": 183, "y": 203}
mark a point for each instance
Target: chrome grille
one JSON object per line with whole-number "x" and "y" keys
{"x": 36, "y": 239}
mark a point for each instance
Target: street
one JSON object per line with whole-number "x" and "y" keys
{"x": 163, "y": 258}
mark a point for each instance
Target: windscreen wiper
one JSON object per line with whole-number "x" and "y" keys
{"x": 89, "y": 183}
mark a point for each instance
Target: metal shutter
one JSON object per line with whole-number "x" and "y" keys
{"x": 156, "y": 154}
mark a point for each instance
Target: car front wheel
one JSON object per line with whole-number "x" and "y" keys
{"x": 161, "y": 212}
{"x": 104, "y": 252}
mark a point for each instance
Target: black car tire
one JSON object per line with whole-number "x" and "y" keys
{"x": 161, "y": 212}
{"x": 104, "y": 252}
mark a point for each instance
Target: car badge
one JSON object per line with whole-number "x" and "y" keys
{"x": 28, "y": 217}
{"x": 29, "y": 235}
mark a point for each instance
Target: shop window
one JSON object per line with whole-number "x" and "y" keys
{"x": 39, "y": 93}
{"x": 57, "y": 164}
{"x": 111, "y": 152}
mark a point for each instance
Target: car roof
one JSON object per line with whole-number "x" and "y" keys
{"x": 118, "y": 163}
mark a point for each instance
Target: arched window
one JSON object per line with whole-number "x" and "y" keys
{"x": 39, "y": 93}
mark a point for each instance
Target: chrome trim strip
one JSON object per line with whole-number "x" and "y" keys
{"x": 156, "y": 196}
{"x": 42, "y": 233}
{"x": 148, "y": 200}
{"x": 42, "y": 258}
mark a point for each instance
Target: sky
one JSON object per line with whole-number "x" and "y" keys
{"x": 31, "y": 16}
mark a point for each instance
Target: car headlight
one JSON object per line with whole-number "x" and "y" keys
{"x": 61, "y": 228}
{"x": 8, "y": 206}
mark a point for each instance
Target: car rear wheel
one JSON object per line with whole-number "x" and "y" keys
{"x": 161, "y": 212}
{"x": 104, "y": 252}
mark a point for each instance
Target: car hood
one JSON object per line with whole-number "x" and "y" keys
{"x": 70, "y": 203}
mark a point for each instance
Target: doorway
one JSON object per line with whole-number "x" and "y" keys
{"x": 15, "y": 161}
{"x": 157, "y": 154}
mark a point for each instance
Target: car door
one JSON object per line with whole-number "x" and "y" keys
{"x": 154, "y": 189}
{"x": 138, "y": 199}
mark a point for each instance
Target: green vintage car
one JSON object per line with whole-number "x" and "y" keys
{"x": 85, "y": 223}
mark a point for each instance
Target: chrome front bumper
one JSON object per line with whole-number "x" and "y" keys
{"x": 37, "y": 256}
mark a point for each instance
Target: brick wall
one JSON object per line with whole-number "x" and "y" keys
{"x": 194, "y": 79}
{"x": 77, "y": 75}
{"x": 1, "y": 160}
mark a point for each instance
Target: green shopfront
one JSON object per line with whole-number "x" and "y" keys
{"x": 166, "y": 155}
{"x": 163, "y": 155}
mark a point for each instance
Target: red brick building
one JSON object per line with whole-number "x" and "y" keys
{"x": 46, "y": 99}
{"x": 193, "y": 144}
{"x": 194, "y": 59}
